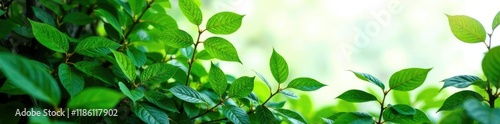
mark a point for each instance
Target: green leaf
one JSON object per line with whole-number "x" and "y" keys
{"x": 134, "y": 95}
{"x": 354, "y": 118}
{"x": 2, "y": 12}
{"x": 482, "y": 113}
{"x": 457, "y": 117}
{"x": 217, "y": 79}
{"x": 30, "y": 78}
{"x": 187, "y": 94}
{"x": 221, "y": 49}
{"x": 52, "y": 5}
{"x": 369, "y": 78}
{"x": 71, "y": 80}
{"x": 9, "y": 88}
{"x": 491, "y": 66}
{"x": 50, "y": 37}
{"x": 174, "y": 38}
{"x": 78, "y": 18}
{"x": 263, "y": 79}
{"x": 44, "y": 16}
{"x": 404, "y": 109}
{"x": 496, "y": 21}
{"x": 466, "y": 29}
{"x": 224, "y": 23}
{"x": 157, "y": 73}
{"x": 38, "y": 119}
{"x": 357, "y": 96}
{"x": 96, "y": 46}
{"x": 150, "y": 114}
{"x": 289, "y": 94}
{"x": 7, "y": 27}
{"x": 125, "y": 65}
{"x": 137, "y": 6}
{"x": 105, "y": 15}
{"x": 241, "y": 87}
{"x": 305, "y": 84}
{"x": 457, "y": 99}
{"x": 408, "y": 79}
{"x": 203, "y": 55}
{"x": 235, "y": 114}
{"x": 191, "y": 11}
{"x": 265, "y": 115}
{"x": 95, "y": 70}
{"x": 95, "y": 98}
{"x": 137, "y": 57}
{"x": 161, "y": 100}
{"x": 292, "y": 116}
{"x": 391, "y": 115}
{"x": 161, "y": 21}
{"x": 279, "y": 67}
{"x": 460, "y": 81}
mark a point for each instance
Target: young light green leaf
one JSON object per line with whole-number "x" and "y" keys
{"x": 96, "y": 46}
{"x": 44, "y": 16}
{"x": 78, "y": 18}
{"x": 305, "y": 84}
{"x": 235, "y": 114}
{"x": 95, "y": 70}
{"x": 157, "y": 73}
{"x": 391, "y": 115}
{"x": 482, "y": 113}
{"x": 279, "y": 67}
{"x": 221, "y": 49}
{"x": 289, "y": 94}
{"x": 408, "y": 79}
{"x": 150, "y": 114}
{"x": 105, "y": 15}
{"x": 404, "y": 109}
{"x": 217, "y": 79}
{"x": 125, "y": 65}
{"x": 369, "y": 78}
{"x": 490, "y": 66}
{"x": 496, "y": 21}
{"x": 137, "y": 6}
{"x": 241, "y": 87}
{"x": 357, "y": 96}
{"x": 134, "y": 95}
{"x": 191, "y": 11}
{"x": 460, "y": 81}
{"x": 187, "y": 94}
{"x": 263, "y": 79}
{"x": 224, "y": 23}
{"x": 203, "y": 55}
{"x": 466, "y": 29}
{"x": 354, "y": 118}
{"x": 138, "y": 57}
{"x": 71, "y": 80}
{"x": 95, "y": 98}
{"x": 292, "y": 116}
{"x": 50, "y": 37}
{"x": 161, "y": 100}
{"x": 265, "y": 115}
{"x": 174, "y": 38}
{"x": 456, "y": 100}
{"x": 30, "y": 78}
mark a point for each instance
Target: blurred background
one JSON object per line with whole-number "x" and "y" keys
{"x": 322, "y": 39}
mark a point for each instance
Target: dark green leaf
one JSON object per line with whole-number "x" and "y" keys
{"x": 408, "y": 79}
{"x": 158, "y": 73}
{"x": 50, "y": 37}
{"x": 95, "y": 98}
{"x": 7, "y": 112}
{"x": 125, "y": 65}
{"x": 44, "y": 16}
{"x": 496, "y": 21}
{"x": 52, "y": 5}
{"x": 150, "y": 114}
{"x": 275, "y": 104}
{"x": 491, "y": 66}
{"x": 161, "y": 100}
{"x": 137, "y": 57}
{"x": 161, "y": 21}
{"x": 224, "y": 23}
{"x": 369, "y": 78}
{"x": 105, "y": 15}
{"x": 96, "y": 46}
{"x": 9, "y": 88}
{"x": 221, "y": 49}
{"x": 241, "y": 87}
{"x": 2, "y": 12}
{"x": 187, "y": 94}
{"x": 392, "y": 115}
{"x": 203, "y": 55}
{"x": 305, "y": 84}
{"x": 482, "y": 113}
{"x": 30, "y": 78}
{"x": 191, "y": 11}
{"x": 404, "y": 109}
{"x": 78, "y": 18}
{"x": 134, "y": 95}
{"x": 466, "y": 29}
{"x": 354, "y": 118}
{"x": 289, "y": 94}
{"x": 481, "y": 84}
{"x": 292, "y": 116}
{"x": 279, "y": 67}
{"x": 71, "y": 80}
{"x": 265, "y": 115}
{"x": 456, "y": 100}
{"x": 95, "y": 70}
{"x": 137, "y": 6}
{"x": 460, "y": 81}
{"x": 174, "y": 38}
{"x": 357, "y": 96}
{"x": 7, "y": 27}
{"x": 217, "y": 79}
{"x": 235, "y": 114}
{"x": 457, "y": 117}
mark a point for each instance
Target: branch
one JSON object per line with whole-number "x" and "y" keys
{"x": 211, "y": 109}
{"x": 136, "y": 21}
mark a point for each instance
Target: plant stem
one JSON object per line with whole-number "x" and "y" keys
{"x": 191, "y": 61}
{"x": 211, "y": 109}
{"x": 136, "y": 21}
{"x": 382, "y": 108}
{"x": 491, "y": 97}
{"x": 272, "y": 94}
